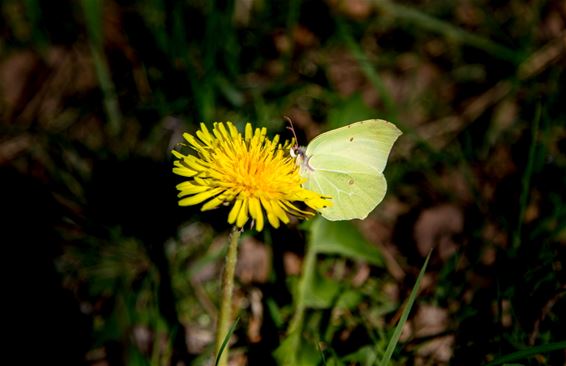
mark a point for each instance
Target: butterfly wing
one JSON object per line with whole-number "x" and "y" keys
{"x": 347, "y": 164}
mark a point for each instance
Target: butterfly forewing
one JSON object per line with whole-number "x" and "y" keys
{"x": 369, "y": 141}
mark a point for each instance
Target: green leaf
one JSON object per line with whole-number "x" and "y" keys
{"x": 342, "y": 237}
{"x": 349, "y": 299}
{"x": 364, "y": 356}
{"x": 296, "y": 351}
{"x": 321, "y": 292}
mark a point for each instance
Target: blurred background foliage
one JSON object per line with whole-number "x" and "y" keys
{"x": 102, "y": 267}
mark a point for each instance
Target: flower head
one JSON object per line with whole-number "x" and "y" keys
{"x": 252, "y": 173}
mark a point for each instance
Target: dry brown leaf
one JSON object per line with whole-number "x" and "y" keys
{"x": 436, "y": 227}
{"x": 256, "y": 317}
{"x": 292, "y": 263}
{"x": 344, "y": 72}
{"x": 254, "y": 261}
{"x": 355, "y": 9}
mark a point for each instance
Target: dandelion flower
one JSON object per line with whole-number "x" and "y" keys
{"x": 253, "y": 174}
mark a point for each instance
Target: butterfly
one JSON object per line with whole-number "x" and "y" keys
{"x": 347, "y": 165}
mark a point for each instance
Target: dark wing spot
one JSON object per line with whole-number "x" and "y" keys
{"x": 351, "y": 181}
{"x": 351, "y": 139}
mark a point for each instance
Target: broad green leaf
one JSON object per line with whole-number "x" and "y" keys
{"x": 343, "y": 238}
{"x": 296, "y": 351}
{"x": 349, "y": 299}
{"x": 364, "y": 356}
{"x": 321, "y": 292}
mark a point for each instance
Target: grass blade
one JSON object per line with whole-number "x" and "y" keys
{"x": 226, "y": 339}
{"x": 93, "y": 11}
{"x": 425, "y": 21}
{"x": 526, "y": 182}
{"x": 525, "y": 353}
{"x": 397, "y": 333}
{"x": 368, "y": 69}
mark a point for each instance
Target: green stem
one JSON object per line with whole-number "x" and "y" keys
{"x": 309, "y": 264}
{"x": 290, "y": 355}
{"x": 225, "y": 315}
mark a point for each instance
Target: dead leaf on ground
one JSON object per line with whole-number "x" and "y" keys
{"x": 256, "y": 316}
{"x": 436, "y": 227}
{"x": 292, "y": 263}
{"x": 355, "y": 9}
{"x": 344, "y": 72}
{"x": 431, "y": 320}
{"x": 253, "y": 261}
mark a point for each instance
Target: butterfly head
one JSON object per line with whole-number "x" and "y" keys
{"x": 298, "y": 152}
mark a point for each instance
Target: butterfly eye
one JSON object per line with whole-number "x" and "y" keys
{"x": 297, "y": 152}
{"x": 293, "y": 152}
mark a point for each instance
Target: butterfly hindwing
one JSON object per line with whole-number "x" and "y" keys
{"x": 362, "y": 195}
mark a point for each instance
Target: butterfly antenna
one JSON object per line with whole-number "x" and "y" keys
{"x": 292, "y": 128}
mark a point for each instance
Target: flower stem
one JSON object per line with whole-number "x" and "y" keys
{"x": 309, "y": 264}
{"x": 225, "y": 315}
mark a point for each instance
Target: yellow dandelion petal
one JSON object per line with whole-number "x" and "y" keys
{"x": 199, "y": 197}
{"x": 233, "y": 131}
{"x": 188, "y": 188}
{"x": 204, "y": 135}
{"x": 251, "y": 173}
{"x": 271, "y": 217}
{"x": 233, "y": 215}
{"x": 256, "y": 212}
{"x": 295, "y": 210}
{"x": 279, "y": 212}
{"x": 258, "y": 137}
{"x": 248, "y": 132}
{"x": 213, "y": 203}
{"x": 243, "y": 214}
{"x": 196, "y": 163}
{"x": 275, "y": 141}
{"x": 178, "y": 155}
{"x": 193, "y": 141}
{"x": 273, "y": 221}
{"x": 201, "y": 181}
{"x": 220, "y": 132}
{"x": 317, "y": 202}
{"x": 184, "y": 171}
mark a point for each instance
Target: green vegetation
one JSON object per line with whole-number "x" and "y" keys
{"x": 105, "y": 268}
